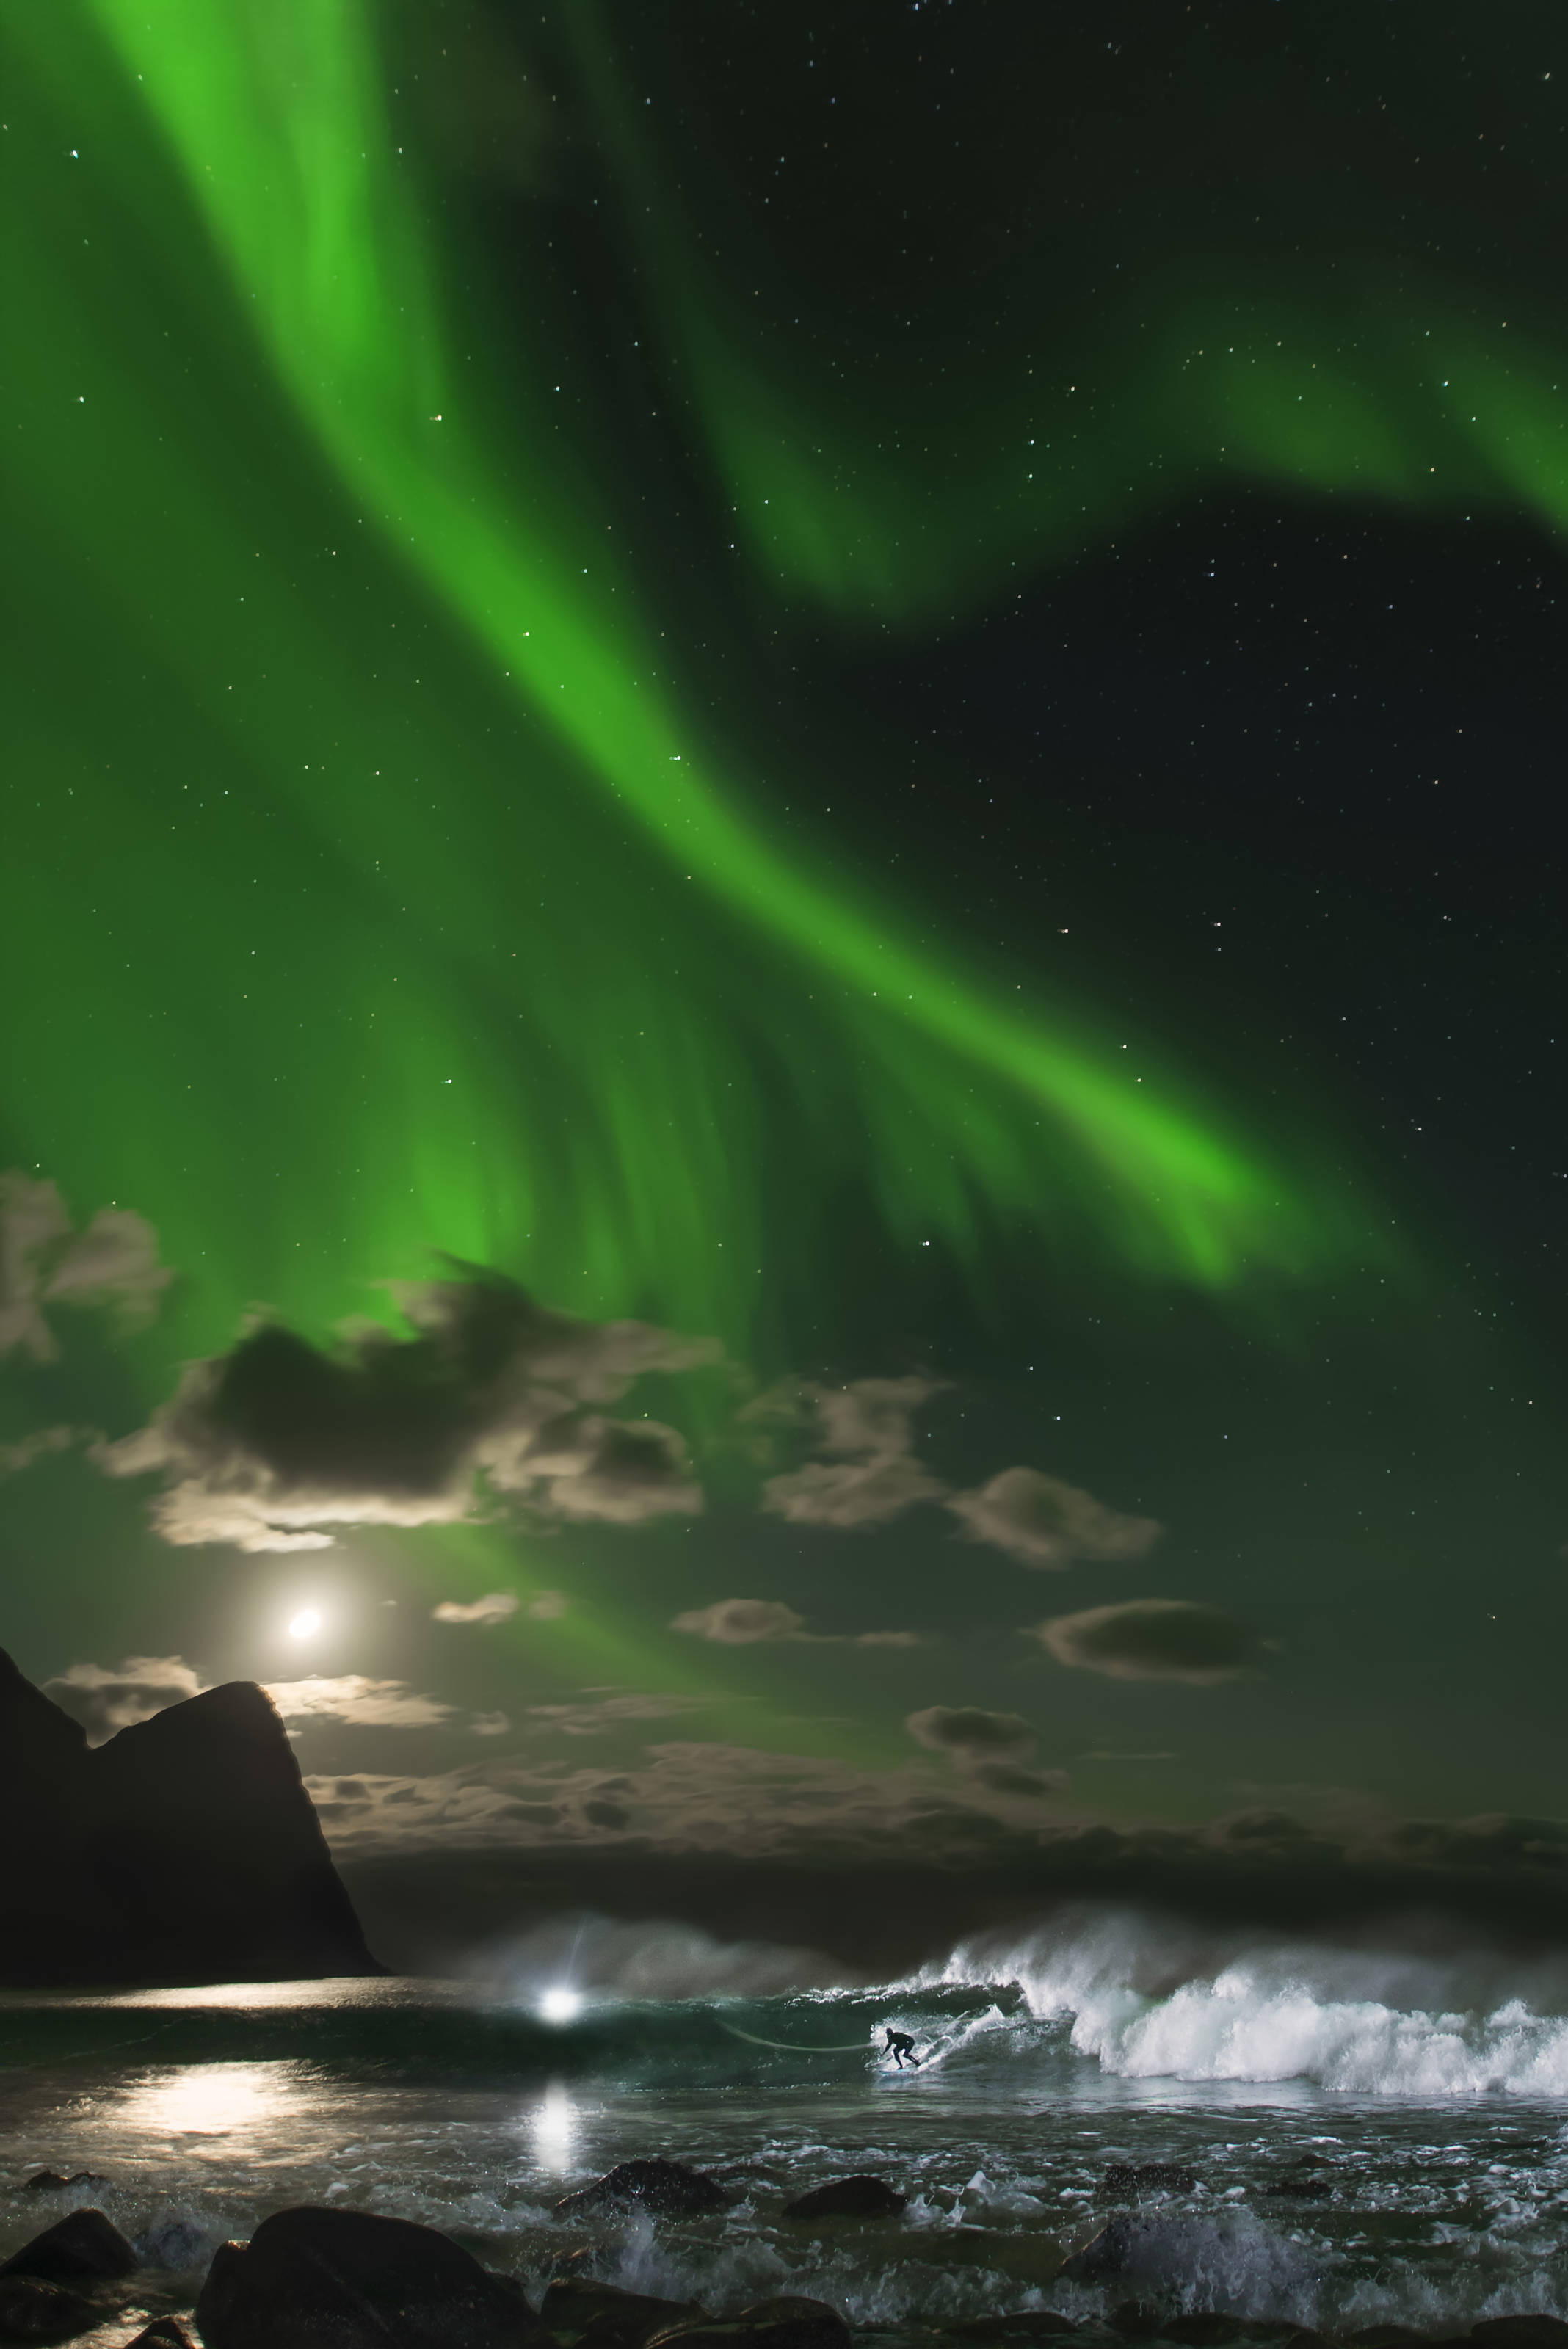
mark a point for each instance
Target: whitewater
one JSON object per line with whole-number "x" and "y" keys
{"x": 1374, "y": 2132}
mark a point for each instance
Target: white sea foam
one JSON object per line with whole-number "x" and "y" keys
{"x": 1146, "y": 2000}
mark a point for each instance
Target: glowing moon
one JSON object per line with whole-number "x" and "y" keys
{"x": 303, "y": 1625}
{"x": 561, "y": 2005}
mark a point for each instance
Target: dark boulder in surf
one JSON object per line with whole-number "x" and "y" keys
{"x": 848, "y": 2198}
{"x": 82, "y": 2248}
{"x": 668, "y": 2188}
{"x": 786, "y": 2324}
{"x": 603, "y": 2316}
{"x": 314, "y": 2279}
{"x": 163, "y": 2333}
{"x": 34, "y": 2310}
{"x": 52, "y": 2181}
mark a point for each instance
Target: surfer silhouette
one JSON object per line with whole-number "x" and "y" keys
{"x": 901, "y": 2048}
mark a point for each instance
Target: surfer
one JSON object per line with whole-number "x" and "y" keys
{"x": 902, "y": 2046}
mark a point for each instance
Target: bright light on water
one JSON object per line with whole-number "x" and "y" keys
{"x": 554, "y": 2126}
{"x": 304, "y": 1625}
{"x": 561, "y": 2005}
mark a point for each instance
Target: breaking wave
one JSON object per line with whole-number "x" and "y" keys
{"x": 1144, "y": 2000}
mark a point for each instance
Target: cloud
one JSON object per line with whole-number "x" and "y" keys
{"x": 278, "y": 1443}
{"x": 967, "y": 1731}
{"x": 987, "y": 1748}
{"x": 610, "y": 1710}
{"x": 1040, "y": 1521}
{"x": 687, "y": 1797}
{"x": 741, "y": 1622}
{"x": 548, "y": 1608}
{"x": 45, "y": 1262}
{"x": 865, "y": 1424}
{"x": 108, "y": 1698}
{"x": 851, "y": 1493}
{"x": 1153, "y": 1640}
{"x": 488, "y": 1724}
{"x": 494, "y": 1608}
{"x": 14, "y": 1458}
{"x": 738, "y": 1622}
{"x": 362, "y": 1703}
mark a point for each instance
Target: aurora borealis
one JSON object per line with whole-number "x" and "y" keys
{"x": 921, "y": 762}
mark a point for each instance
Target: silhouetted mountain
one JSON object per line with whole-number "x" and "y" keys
{"x": 184, "y": 1850}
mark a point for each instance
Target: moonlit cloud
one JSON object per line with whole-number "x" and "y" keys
{"x": 874, "y": 1475}
{"x": 1042, "y": 1521}
{"x": 849, "y": 1493}
{"x": 741, "y": 1622}
{"x": 494, "y": 1608}
{"x": 45, "y": 1262}
{"x": 363, "y": 1703}
{"x": 1153, "y": 1640}
{"x": 105, "y": 1698}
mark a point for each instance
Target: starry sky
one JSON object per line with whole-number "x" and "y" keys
{"x": 780, "y": 925}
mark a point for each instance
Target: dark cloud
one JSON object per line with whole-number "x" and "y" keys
{"x": 987, "y": 1748}
{"x": 276, "y": 1444}
{"x": 44, "y": 1261}
{"x": 1153, "y": 1640}
{"x": 966, "y": 1730}
{"x": 108, "y": 1697}
{"x": 1040, "y": 1521}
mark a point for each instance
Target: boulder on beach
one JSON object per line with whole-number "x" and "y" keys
{"x": 84, "y": 2247}
{"x": 163, "y": 2333}
{"x": 31, "y": 2309}
{"x": 848, "y": 2198}
{"x": 668, "y": 2188}
{"x": 1129, "y": 2181}
{"x": 51, "y": 2182}
{"x": 575, "y": 2309}
{"x": 787, "y": 2324}
{"x": 314, "y": 2278}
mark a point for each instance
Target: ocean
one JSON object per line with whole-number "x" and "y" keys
{"x": 1378, "y": 2133}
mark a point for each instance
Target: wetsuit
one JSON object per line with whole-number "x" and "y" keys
{"x": 899, "y": 2045}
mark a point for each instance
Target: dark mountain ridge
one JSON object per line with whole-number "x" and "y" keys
{"x": 184, "y": 1850}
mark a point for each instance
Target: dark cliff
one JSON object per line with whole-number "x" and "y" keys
{"x": 184, "y": 1850}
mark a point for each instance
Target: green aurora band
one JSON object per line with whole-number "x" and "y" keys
{"x": 397, "y": 883}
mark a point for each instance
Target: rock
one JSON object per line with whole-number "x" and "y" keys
{"x": 84, "y": 2247}
{"x": 1208, "y": 2329}
{"x": 185, "y": 1849}
{"x": 577, "y": 2310}
{"x": 848, "y": 2198}
{"x": 1519, "y": 2333}
{"x": 666, "y": 2188}
{"x": 163, "y": 2333}
{"x": 1127, "y": 2181}
{"x": 1385, "y": 2336}
{"x": 1136, "y": 2320}
{"x": 314, "y": 2279}
{"x": 34, "y": 2310}
{"x": 1028, "y": 2325}
{"x": 787, "y": 2324}
{"x": 49, "y": 2181}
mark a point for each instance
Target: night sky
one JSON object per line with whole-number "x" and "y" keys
{"x": 781, "y": 922}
